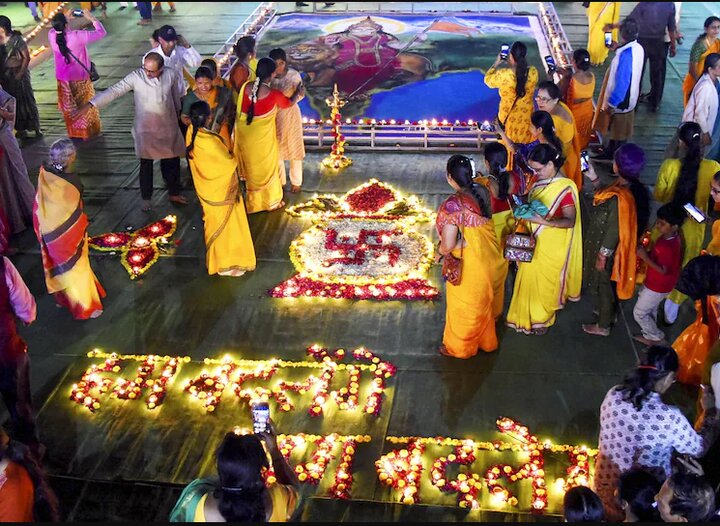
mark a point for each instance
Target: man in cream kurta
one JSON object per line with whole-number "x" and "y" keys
{"x": 157, "y": 90}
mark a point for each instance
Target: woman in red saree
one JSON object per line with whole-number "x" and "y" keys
{"x": 61, "y": 228}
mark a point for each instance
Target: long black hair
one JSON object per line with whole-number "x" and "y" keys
{"x": 690, "y": 134}
{"x": 582, "y": 59}
{"x": 461, "y": 170}
{"x": 199, "y": 113}
{"x": 543, "y": 120}
{"x": 45, "y": 505}
{"x": 544, "y": 154}
{"x": 265, "y": 68}
{"x": 519, "y": 52}
{"x": 658, "y": 362}
{"x": 581, "y": 504}
{"x": 59, "y": 23}
{"x": 242, "y": 492}
{"x": 496, "y": 155}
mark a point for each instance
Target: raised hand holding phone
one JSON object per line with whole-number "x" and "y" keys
{"x": 504, "y": 51}
{"x": 261, "y": 417}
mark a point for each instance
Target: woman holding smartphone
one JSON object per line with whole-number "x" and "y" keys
{"x": 599, "y": 15}
{"x": 683, "y": 181}
{"x": 516, "y": 82}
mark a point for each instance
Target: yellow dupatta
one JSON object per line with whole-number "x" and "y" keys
{"x": 228, "y": 241}
{"x": 258, "y": 155}
{"x": 625, "y": 259}
{"x": 554, "y": 276}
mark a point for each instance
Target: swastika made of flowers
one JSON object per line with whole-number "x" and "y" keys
{"x": 358, "y": 251}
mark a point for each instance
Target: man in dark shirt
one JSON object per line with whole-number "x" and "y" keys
{"x": 653, "y": 18}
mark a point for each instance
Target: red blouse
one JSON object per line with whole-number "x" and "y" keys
{"x": 266, "y": 104}
{"x": 567, "y": 200}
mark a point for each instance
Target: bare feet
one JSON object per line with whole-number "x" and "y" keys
{"x": 295, "y": 189}
{"x": 443, "y": 350}
{"x": 144, "y": 22}
{"x": 595, "y": 329}
{"x": 146, "y": 205}
{"x": 178, "y": 199}
{"x": 647, "y": 341}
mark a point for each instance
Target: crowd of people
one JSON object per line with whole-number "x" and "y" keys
{"x": 540, "y": 213}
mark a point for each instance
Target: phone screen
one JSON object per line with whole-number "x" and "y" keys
{"x": 694, "y": 212}
{"x": 608, "y": 39}
{"x": 584, "y": 161}
{"x": 77, "y": 12}
{"x": 260, "y": 416}
{"x": 504, "y": 50}
{"x": 550, "y": 63}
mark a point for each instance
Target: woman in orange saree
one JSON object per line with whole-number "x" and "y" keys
{"x": 61, "y": 228}
{"x": 477, "y": 300}
{"x": 579, "y": 96}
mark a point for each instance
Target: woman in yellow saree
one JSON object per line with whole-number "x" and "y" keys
{"x": 599, "y": 14}
{"x": 466, "y": 231}
{"x": 705, "y": 44}
{"x": 230, "y": 250}
{"x": 256, "y": 144}
{"x": 61, "y": 228}
{"x": 548, "y": 99}
{"x": 686, "y": 181}
{"x": 554, "y": 275}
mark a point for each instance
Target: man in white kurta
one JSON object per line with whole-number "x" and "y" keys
{"x": 157, "y": 90}
{"x": 289, "y": 122}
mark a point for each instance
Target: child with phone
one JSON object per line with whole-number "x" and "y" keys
{"x": 664, "y": 262}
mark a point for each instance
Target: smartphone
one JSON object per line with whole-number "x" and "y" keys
{"x": 694, "y": 212}
{"x": 584, "y": 161}
{"x": 608, "y": 39}
{"x": 487, "y": 126}
{"x": 78, "y": 13}
{"x": 550, "y": 63}
{"x": 504, "y": 51}
{"x": 516, "y": 200}
{"x": 260, "y": 417}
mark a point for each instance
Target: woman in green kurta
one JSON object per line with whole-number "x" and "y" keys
{"x": 682, "y": 181}
{"x": 620, "y": 214}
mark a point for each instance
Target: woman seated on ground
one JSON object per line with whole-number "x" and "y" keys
{"x": 548, "y": 99}
{"x": 619, "y": 216}
{"x": 579, "y": 88}
{"x": 543, "y": 285}
{"x": 516, "y": 82}
{"x": 238, "y": 493}
{"x": 256, "y": 143}
{"x": 25, "y": 495}
{"x": 683, "y": 181}
{"x": 466, "y": 231}
{"x": 218, "y": 98}
{"x": 637, "y": 429}
{"x": 705, "y": 44}
{"x": 229, "y": 246}
{"x": 61, "y": 228}
{"x": 502, "y": 185}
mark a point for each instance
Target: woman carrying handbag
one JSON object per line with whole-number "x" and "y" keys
{"x": 554, "y": 275}
{"x": 473, "y": 264}
{"x": 74, "y": 72}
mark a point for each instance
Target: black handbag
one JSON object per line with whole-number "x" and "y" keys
{"x": 94, "y": 75}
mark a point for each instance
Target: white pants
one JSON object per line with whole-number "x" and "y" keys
{"x": 296, "y": 173}
{"x": 645, "y": 313}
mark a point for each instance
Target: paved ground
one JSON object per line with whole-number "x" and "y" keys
{"x": 554, "y": 384}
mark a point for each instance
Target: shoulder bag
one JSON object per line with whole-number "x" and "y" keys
{"x": 519, "y": 246}
{"x": 94, "y": 75}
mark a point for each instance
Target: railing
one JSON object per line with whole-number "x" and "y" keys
{"x": 255, "y": 24}
{"x": 555, "y": 34}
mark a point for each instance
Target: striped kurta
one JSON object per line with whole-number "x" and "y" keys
{"x": 289, "y": 120}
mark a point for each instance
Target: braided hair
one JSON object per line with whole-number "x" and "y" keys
{"x": 544, "y": 121}
{"x": 199, "y": 113}
{"x": 462, "y": 170}
{"x": 241, "y": 493}
{"x": 265, "y": 68}
{"x": 59, "y": 23}
{"x": 658, "y": 362}
{"x": 691, "y": 134}
{"x": 496, "y": 155}
{"x": 519, "y": 52}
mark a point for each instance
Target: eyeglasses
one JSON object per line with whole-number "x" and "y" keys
{"x": 535, "y": 170}
{"x": 543, "y": 99}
